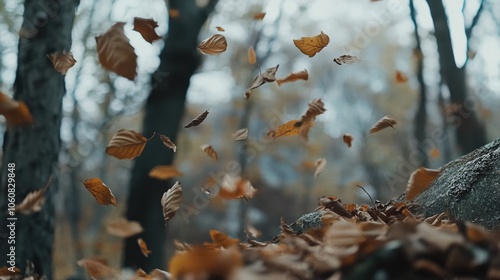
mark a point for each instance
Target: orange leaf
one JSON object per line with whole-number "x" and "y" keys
{"x": 347, "y": 138}
{"x": 316, "y": 107}
{"x": 100, "y": 191}
{"x": 147, "y": 29}
{"x": 198, "y": 120}
{"x": 346, "y": 59}
{"x": 33, "y": 202}
{"x": 234, "y": 187}
{"x": 62, "y": 61}
{"x": 400, "y": 77}
{"x": 126, "y": 144}
{"x": 115, "y": 52}
{"x": 287, "y": 129}
{"x": 124, "y": 228}
{"x": 144, "y": 247}
{"x": 220, "y": 29}
{"x": 295, "y": 76}
{"x": 209, "y": 150}
{"x": 419, "y": 180}
{"x": 216, "y": 44}
{"x": 171, "y": 201}
{"x": 259, "y": 16}
{"x": 386, "y": 121}
{"x": 164, "y": 172}
{"x": 320, "y": 166}
{"x": 252, "y": 57}
{"x": 220, "y": 240}
{"x": 174, "y": 13}
{"x": 168, "y": 143}
{"x": 98, "y": 269}
{"x": 241, "y": 134}
{"x": 15, "y": 112}
{"x": 434, "y": 153}
{"x": 312, "y": 45}
{"x": 266, "y": 77}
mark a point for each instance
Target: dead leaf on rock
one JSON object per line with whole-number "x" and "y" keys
{"x": 419, "y": 180}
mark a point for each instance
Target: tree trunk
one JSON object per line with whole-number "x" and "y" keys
{"x": 34, "y": 150}
{"x": 470, "y": 133}
{"x": 163, "y": 113}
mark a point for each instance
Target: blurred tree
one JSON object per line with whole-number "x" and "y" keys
{"x": 163, "y": 113}
{"x": 470, "y": 133}
{"x": 34, "y": 149}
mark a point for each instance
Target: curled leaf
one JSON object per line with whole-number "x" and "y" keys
{"x": 234, "y": 187}
{"x": 209, "y": 150}
{"x": 310, "y": 46}
{"x": 168, "y": 143}
{"x": 346, "y": 59}
{"x": 220, "y": 29}
{"x": 316, "y": 107}
{"x": 100, "y": 191}
{"x": 15, "y": 112}
{"x": 287, "y": 129}
{"x": 164, "y": 172}
{"x": 400, "y": 77}
{"x": 320, "y": 166}
{"x": 216, "y": 44}
{"x": 198, "y": 120}
{"x": 386, "y": 121}
{"x": 33, "y": 202}
{"x": 295, "y": 76}
{"x": 144, "y": 247}
{"x": 252, "y": 57}
{"x": 126, "y": 144}
{"x": 241, "y": 134}
{"x": 419, "y": 180}
{"x": 62, "y": 61}
{"x": 147, "y": 29}
{"x": 259, "y": 16}
{"x": 268, "y": 76}
{"x": 347, "y": 138}
{"x": 124, "y": 228}
{"x": 171, "y": 201}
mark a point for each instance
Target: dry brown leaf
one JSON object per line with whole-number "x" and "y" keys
{"x": 386, "y": 121}
{"x": 220, "y": 29}
{"x": 100, "y": 191}
{"x": 346, "y": 59}
{"x": 146, "y": 27}
{"x": 98, "y": 269}
{"x": 198, "y": 120}
{"x": 252, "y": 233}
{"x": 174, "y": 13}
{"x": 434, "y": 153}
{"x": 164, "y": 172}
{"x": 241, "y": 134}
{"x": 144, "y": 247}
{"x": 259, "y": 16}
{"x": 126, "y": 144}
{"x": 252, "y": 57}
{"x": 295, "y": 76}
{"x": 33, "y": 202}
{"x": 124, "y": 228}
{"x": 234, "y": 187}
{"x": 216, "y": 44}
{"x": 219, "y": 240}
{"x": 400, "y": 77}
{"x": 171, "y": 201}
{"x": 168, "y": 143}
{"x": 62, "y": 61}
{"x": 320, "y": 166}
{"x": 312, "y": 45}
{"x": 419, "y": 180}
{"x": 347, "y": 138}
{"x": 15, "y": 112}
{"x": 287, "y": 129}
{"x": 209, "y": 150}
{"x": 268, "y": 76}
{"x": 115, "y": 52}
{"x": 316, "y": 107}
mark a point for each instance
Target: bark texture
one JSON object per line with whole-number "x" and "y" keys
{"x": 47, "y": 26}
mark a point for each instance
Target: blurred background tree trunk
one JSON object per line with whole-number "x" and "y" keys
{"x": 34, "y": 149}
{"x": 163, "y": 113}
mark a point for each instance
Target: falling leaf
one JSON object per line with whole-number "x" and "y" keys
{"x": 33, "y": 202}
{"x": 167, "y": 142}
{"x": 171, "y": 201}
{"x": 312, "y": 45}
{"x": 234, "y": 187}
{"x": 216, "y": 44}
{"x": 100, "y": 191}
{"x": 295, "y": 76}
{"x": 419, "y": 180}
{"x": 320, "y": 166}
{"x": 259, "y": 16}
{"x": 220, "y": 29}
{"x": 15, "y": 112}
{"x": 164, "y": 172}
{"x": 115, "y": 52}
{"x": 400, "y": 77}
{"x": 144, "y": 247}
{"x": 174, "y": 13}
{"x": 209, "y": 150}
{"x": 198, "y": 120}
{"x": 252, "y": 57}
{"x": 347, "y": 138}
{"x": 220, "y": 240}
{"x": 124, "y": 228}
{"x": 98, "y": 269}
{"x": 266, "y": 77}
{"x": 316, "y": 107}
{"x": 62, "y": 61}
{"x": 287, "y": 129}
{"x": 434, "y": 153}
{"x": 252, "y": 232}
{"x": 147, "y": 29}
{"x": 126, "y": 144}
{"x": 471, "y": 54}
{"x": 386, "y": 121}
{"x": 346, "y": 59}
{"x": 241, "y": 134}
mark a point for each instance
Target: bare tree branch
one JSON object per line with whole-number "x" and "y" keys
{"x": 468, "y": 30}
